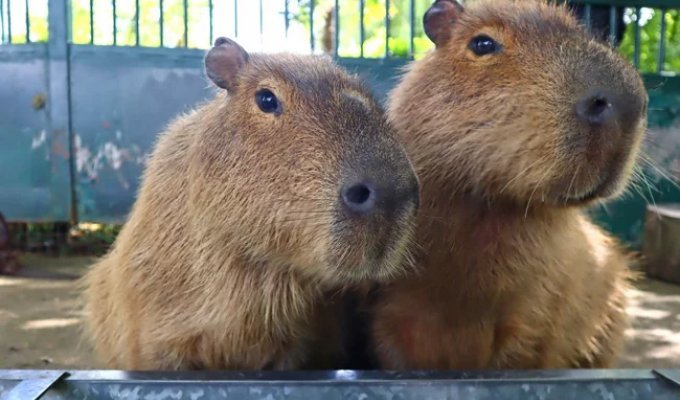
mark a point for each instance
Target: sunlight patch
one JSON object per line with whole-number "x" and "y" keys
{"x": 50, "y": 323}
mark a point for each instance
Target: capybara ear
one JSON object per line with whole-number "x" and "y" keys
{"x": 224, "y": 62}
{"x": 439, "y": 18}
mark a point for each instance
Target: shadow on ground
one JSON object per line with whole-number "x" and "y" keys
{"x": 654, "y": 337}
{"x": 40, "y": 321}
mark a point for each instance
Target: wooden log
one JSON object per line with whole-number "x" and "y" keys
{"x": 661, "y": 242}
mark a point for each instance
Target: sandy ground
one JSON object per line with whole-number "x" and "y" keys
{"x": 40, "y": 322}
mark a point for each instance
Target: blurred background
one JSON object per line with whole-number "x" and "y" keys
{"x": 87, "y": 85}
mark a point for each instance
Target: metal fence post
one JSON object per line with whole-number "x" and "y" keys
{"x": 59, "y": 112}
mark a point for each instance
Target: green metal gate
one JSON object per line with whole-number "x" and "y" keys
{"x": 87, "y": 85}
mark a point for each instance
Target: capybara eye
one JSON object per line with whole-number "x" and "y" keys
{"x": 267, "y": 101}
{"x": 482, "y": 45}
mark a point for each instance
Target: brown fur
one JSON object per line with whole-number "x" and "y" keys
{"x": 236, "y": 238}
{"x": 512, "y": 272}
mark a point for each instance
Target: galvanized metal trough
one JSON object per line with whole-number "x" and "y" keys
{"x": 341, "y": 384}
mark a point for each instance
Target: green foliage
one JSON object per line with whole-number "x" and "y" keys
{"x": 149, "y": 23}
{"x": 650, "y": 37}
{"x": 374, "y": 25}
{"x": 39, "y": 31}
{"x": 349, "y": 32}
{"x": 62, "y": 238}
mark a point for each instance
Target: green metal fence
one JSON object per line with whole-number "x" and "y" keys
{"x": 367, "y": 28}
{"x": 90, "y": 83}
{"x": 648, "y": 30}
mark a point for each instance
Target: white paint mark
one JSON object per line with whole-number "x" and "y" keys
{"x": 108, "y": 154}
{"x": 164, "y": 394}
{"x": 83, "y": 155}
{"x": 113, "y": 155}
{"x": 40, "y": 140}
{"x": 199, "y": 393}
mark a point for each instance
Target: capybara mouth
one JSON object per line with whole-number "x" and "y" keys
{"x": 606, "y": 185}
{"x": 586, "y": 197}
{"x": 374, "y": 254}
{"x": 373, "y": 225}
{"x": 375, "y": 263}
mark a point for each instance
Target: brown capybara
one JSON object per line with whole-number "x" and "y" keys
{"x": 515, "y": 123}
{"x": 251, "y": 208}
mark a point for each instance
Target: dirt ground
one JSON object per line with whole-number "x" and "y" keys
{"x": 40, "y": 322}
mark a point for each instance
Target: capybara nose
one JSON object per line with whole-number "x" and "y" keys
{"x": 365, "y": 197}
{"x": 595, "y": 108}
{"x": 359, "y": 198}
{"x": 617, "y": 110}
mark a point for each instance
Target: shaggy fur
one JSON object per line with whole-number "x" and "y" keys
{"x": 237, "y": 234}
{"x": 512, "y": 272}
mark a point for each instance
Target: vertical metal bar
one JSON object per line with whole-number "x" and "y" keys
{"x": 662, "y": 42}
{"x": 9, "y": 21}
{"x": 115, "y": 22}
{"x": 586, "y": 16}
{"x": 2, "y": 21}
{"x": 387, "y": 28}
{"x": 261, "y": 23}
{"x": 161, "y": 22}
{"x": 336, "y": 39}
{"x": 362, "y": 27}
{"x": 612, "y": 25}
{"x": 235, "y": 18}
{"x": 210, "y": 17}
{"x": 91, "y": 21}
{"x": 412, "y": 29}
{"x": 59, "y": 113}
{"x": 136, "y": 22}
{"x": 286, "y": 16}
{"x": 636, "y": 50}
{"x": 28, "y": 24}
{"x": 311, "y": 23}
{"x": 185, "y": 5}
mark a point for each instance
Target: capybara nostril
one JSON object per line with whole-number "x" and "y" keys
{"x": 359, "y": 198}
{"x": 595, "y": 109}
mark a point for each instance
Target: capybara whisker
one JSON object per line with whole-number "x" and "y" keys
{"x": 519, "y": 174}
{"x": 571, "y": 183}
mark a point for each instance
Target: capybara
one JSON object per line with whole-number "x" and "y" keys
{"x": 287, "y": 184}
{"x": 515, "y": 122}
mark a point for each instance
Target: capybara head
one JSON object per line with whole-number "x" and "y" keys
{"x": 300, "y": 167}
{"x": 522, "y": 103}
